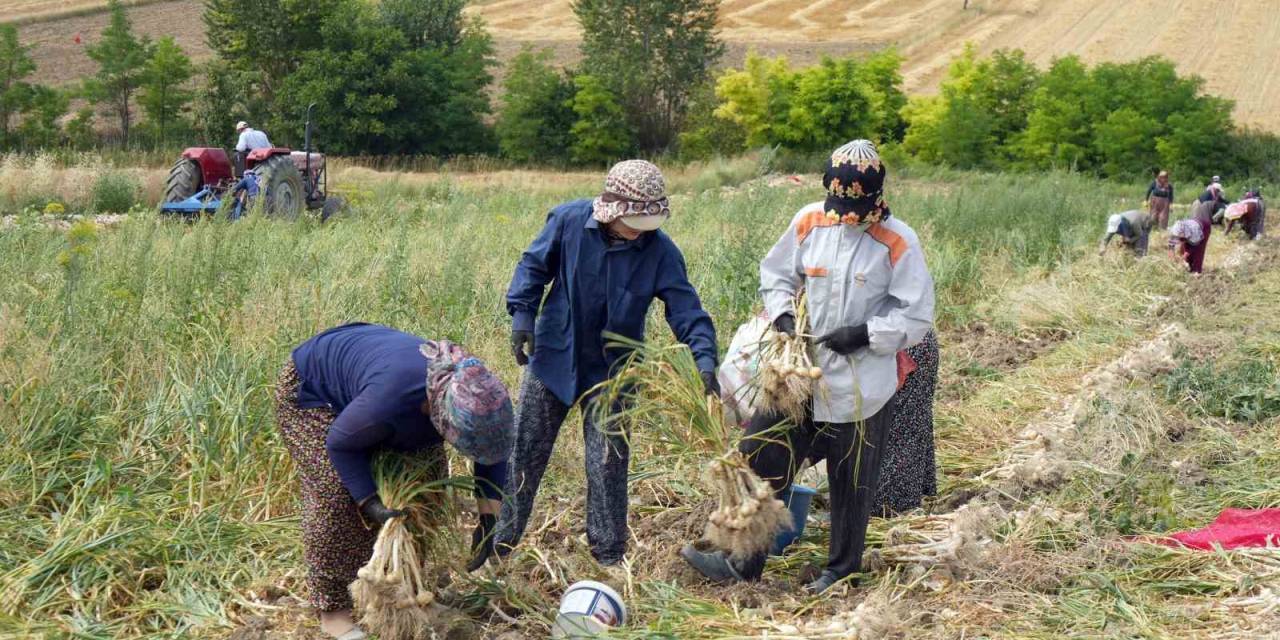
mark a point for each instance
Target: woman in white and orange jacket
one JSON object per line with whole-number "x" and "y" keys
{"x": 869, "y": 296}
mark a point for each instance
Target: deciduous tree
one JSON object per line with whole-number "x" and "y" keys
{"x": 268, "y": 38}
{"x": 601, "y": 133}
{"x": 377, "y": 93}
{"x": 651, "y": 54}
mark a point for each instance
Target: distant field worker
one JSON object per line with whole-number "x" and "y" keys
{"x": 1159, "y": 200}
{"x": 1217, "y": 197}
{"x": 1250, "y": 213}
{"x": 1202, "y": 213}
{"x": 908, "y": 467}
{"x": 1184, "y": 237}
{"x": 244, "y": 193}
{"x": 1134, "y": 229}
{"x": 353, "y": 390}
{"x": 869, "y": 296}
{"x": 606, "y": 261}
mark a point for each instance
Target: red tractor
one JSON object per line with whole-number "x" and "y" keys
{"x": 288, "y": 180}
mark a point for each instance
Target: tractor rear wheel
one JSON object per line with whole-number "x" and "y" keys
{"x": 184, "y": 180}
{"x": 281, "y": 184}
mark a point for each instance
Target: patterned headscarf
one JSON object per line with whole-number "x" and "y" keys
{"x": 1188, "y": 230}
{"x": 637, "y": 189}
{"x": 854, "y": 179}
{"x": 469, "y": 406}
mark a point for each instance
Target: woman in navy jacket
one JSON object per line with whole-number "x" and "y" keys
{"x": 606, "y": 262}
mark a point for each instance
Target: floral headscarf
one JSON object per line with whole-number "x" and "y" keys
{"x": 469, "y": 406}
{"x": 854, "y": 179}
{"x": 1188, "y": 230}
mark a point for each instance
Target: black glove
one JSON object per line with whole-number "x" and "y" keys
{"x": 518, "y": 340}
{"x": 375, "y": 511}
{"x": 710, "y": 385}
{"x": 846, "y": 340}
{"x": 482, "y": 541}
{"x": 785, "y": 323}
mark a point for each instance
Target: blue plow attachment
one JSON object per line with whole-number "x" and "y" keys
{"x": 202, "y": 202}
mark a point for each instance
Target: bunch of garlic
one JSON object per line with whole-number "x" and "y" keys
{"x": 390, "y": 591}
{"x": 748, "y": 516}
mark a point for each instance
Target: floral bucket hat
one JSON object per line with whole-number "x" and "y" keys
{"x": 636, "y": 193}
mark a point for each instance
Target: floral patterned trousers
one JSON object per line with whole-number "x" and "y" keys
{"x": 335, "y": 540}
{"x": 538, "y": 419}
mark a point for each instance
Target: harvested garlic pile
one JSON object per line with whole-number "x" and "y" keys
{"x": 390, "y": 591}
{"x": 953, "y": 541}
{"x": 748, "y": 516}
{"x": 1143, "y": 362}
{"x": 1037, "y": 459}
{"x": 878, "y": 616}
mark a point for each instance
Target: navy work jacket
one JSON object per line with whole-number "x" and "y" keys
{"x": 599, "y": 287}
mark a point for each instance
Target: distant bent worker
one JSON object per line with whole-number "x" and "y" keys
{"x": 1202, "y": 213}
{"x": 1134, "y": 229}
{"x": 1213, "y": 193}
{"x": 1160, "y": 199}
{"x": 1184, "y": 237}
{"x": 1250, "y": 213}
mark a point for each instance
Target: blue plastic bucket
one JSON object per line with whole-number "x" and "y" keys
{"x": 797, "y": 498}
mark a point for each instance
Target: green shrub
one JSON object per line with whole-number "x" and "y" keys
{"x": 115, "y": 192}
{"x": 537, "y": 109}
{"x": 601, "y": 133}
{"x": 706, "y": 134}
{"x": 816, "y": 107}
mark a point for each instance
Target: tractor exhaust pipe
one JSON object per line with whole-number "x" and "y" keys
{"x": 306, "y": 148}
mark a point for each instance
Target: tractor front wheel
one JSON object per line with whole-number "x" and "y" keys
{"x": 184, "y": 180}
{"x": 281, "y": 184}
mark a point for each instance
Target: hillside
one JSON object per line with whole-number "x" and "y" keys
{"x": 1228, "y": 42}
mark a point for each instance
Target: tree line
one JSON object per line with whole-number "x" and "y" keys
{"x": 411, "y": 77}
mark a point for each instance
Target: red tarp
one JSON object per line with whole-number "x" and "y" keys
{"x": 1234, "y": 528}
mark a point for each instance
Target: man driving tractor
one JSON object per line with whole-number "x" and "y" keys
{"x": 250, "y": 139}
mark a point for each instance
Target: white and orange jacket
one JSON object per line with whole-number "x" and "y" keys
{"x": 854, "y": 274}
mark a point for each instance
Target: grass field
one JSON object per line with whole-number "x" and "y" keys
{"x": 146, "y": 493}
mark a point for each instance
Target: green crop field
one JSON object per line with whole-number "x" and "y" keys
{"x": 145, "y": 492}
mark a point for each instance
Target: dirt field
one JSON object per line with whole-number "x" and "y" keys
{"x": 60, "y": 59}
{"x": 1229, "y": 42}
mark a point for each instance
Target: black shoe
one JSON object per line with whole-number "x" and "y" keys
{"x": 713, "y": 565}
{"x": 828, "y": 580}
